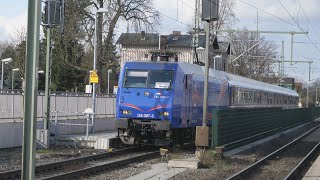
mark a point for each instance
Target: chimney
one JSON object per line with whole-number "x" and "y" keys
{"x": 143, "y": 35}
{"x": 163, "y": 40}
{"x": 176, "y": 35}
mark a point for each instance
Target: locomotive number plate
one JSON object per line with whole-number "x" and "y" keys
{"x": 145, "y": 115}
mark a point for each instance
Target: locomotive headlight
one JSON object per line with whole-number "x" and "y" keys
{"x": 166, "y": 114}
{"x": 126, "y": 112}
{"x": 146, "y": 93}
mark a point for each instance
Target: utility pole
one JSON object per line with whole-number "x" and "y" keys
{"x": 316, "y": 96}
{"x": 308, "y": 84}
{"x": 48, "y": 74}
{"x": 195, "y": 35}
{"x": 281, "y": 63}
{"x": 206, "y": 76}
{"x": 31, "y": 89}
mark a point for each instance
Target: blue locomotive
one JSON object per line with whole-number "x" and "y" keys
{"x": 162, "y": 102}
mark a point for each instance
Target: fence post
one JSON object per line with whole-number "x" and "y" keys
{"x": 56, "y": 124}
{"x": 215, "y": 123}
{"x": 88, "y": 119}
{"x": 13, "y": 105}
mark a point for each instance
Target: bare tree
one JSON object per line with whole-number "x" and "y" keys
{"x": 139, "y": 14}
{"x": 226, "y": 15}
{"x": 257, "y": 62}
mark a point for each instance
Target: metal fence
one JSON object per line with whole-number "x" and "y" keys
{"x": 69, "y": 105}
{"x": 234, "y": 128}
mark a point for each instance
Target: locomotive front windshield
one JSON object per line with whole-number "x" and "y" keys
{"x": 158, "y": 79}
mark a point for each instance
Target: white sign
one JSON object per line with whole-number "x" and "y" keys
{"x": 162, "y": 85}
{"x": 88, "y": 89}
{"x": 115, "y": 89}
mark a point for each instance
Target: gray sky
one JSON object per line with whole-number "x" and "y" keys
{"x": 178, "y": 15}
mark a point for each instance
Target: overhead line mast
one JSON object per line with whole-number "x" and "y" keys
{"x": 196, "y": 30}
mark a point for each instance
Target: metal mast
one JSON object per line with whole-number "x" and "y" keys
{"x": 196, "y": 30}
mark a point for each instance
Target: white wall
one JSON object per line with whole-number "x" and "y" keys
{"x": 11, "y": 133}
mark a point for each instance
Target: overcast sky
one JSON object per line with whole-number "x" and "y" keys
{"x": 178, "y": 15}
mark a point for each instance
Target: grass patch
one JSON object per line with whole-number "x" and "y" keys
{"x": 210, "y": 159}
{"x": 44, "y": 151}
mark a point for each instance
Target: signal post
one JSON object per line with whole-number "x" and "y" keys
{"x": 210, "y": 9}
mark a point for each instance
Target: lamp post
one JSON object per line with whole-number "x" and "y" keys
{"x": 12, "y": 79}
{"x": 101, "y": 10}
{"x": 4, "y": 61}
{"x": 109, "y": 71}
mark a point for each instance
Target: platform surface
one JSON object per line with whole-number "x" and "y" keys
{"x": 98, "y": 140}
{"x": 314, "y": 172}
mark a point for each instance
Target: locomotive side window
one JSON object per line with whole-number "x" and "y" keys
{"x": 160, "y": 79}
{"x": 136, "y": 79}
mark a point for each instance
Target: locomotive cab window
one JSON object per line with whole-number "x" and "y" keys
{"x": 136, "y": 79}
{"x": 160, "y": 79}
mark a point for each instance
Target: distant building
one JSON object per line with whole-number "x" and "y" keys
{"x": 173, "y": 47}
{"x": 287, "y": 83}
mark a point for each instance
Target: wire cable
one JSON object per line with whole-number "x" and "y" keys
{"x": 186, "y": 4}
{"x": 289, "y": 13}
{"x": 269, "y": 14}
{"x": 173, "y": 19}
{"x": 295, "y": 25}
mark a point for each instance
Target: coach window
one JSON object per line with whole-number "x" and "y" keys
{"x": 233, "y": 95}
{"x": 160, "y": 79}
{"x": 136, "y": 79}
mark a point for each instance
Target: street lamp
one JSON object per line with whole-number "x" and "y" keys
{"x": 234, "y": 67}
{"x": 101, "y": 10}
{"x": 217, "y": 57}
{"x": 281, "y": 81}
{"x": 109, "y": 71}
{"x": 12, "y": 81}
{"x": 4, "y": 61}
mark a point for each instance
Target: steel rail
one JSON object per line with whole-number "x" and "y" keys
{"x": 16, "y": 174}
{"x": 101, "y": 167}
{"x": 243, "y": 174}
{"x": 303, "y": 163}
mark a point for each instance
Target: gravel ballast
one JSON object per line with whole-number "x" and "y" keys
{"x": 223, "y": 168}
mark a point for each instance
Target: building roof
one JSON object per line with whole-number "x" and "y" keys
{"x": 224, "y": 47}
{"x": 171, "y": 40}
{"x": 149, "y": 39}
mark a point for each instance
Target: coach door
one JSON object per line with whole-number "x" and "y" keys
{"x": 186, "y": 113}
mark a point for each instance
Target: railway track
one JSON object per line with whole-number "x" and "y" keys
{"x": 295, "y": 156}
{"x": 85, "y": 166}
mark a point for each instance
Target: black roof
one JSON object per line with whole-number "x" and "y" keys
{"x": 171, "y": 40}
{"x": 137, "y": 39}
{"x": 223, "y": 47}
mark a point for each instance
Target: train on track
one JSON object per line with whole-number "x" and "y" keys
{"x": 161, "y": 103}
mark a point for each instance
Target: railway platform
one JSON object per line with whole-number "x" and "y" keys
{"x": 314, "y": 172}
{"x": 98, "y": 140}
